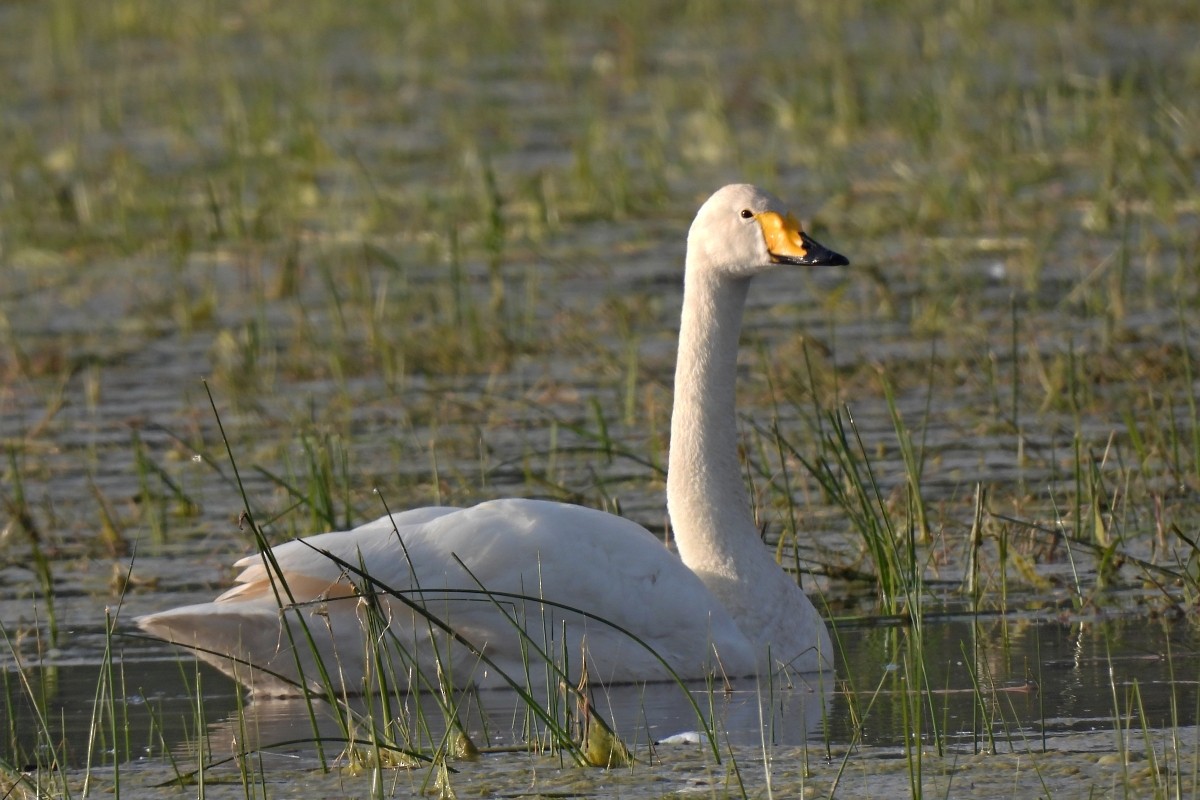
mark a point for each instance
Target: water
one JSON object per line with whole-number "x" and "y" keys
{"x": 307, "y": 217}
{"x": 994, "y": 683}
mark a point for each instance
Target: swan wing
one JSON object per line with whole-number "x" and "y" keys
{"x": 483, "y": 571}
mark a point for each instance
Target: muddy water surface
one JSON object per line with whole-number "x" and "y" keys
{"x": 439, "y": 257}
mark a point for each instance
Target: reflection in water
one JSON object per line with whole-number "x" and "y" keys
{"x": 996, "y": 683}
{"x": 642, "y": 715}
{"x": 1001, "y": 683}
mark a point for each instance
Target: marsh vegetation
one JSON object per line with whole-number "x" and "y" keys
{"x": 430, "y": 253}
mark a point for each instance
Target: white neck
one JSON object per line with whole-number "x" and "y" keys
{"x": 706, "y": 497}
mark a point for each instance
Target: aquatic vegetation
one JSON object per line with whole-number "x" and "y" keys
{"x": 415, "y": 248}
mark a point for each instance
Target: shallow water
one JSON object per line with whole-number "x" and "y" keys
{"x": 1025, "y": 682}
{"x": 307, "y": 217}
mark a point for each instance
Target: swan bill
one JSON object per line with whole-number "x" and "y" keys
{"x": 789, "y": 244}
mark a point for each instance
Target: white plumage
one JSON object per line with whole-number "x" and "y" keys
{"x": 726, "y": 608}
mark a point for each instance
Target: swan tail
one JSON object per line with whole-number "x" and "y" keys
{"x": 244, "y": 643}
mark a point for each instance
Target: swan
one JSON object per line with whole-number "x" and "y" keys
{"x": 722, "y": 606}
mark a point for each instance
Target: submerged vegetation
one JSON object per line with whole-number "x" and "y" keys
{"x": 430, "y": 253}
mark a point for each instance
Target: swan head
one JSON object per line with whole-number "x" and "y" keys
{"x": 742, "y": 230}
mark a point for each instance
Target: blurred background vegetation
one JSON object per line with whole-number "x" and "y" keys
{"x": 435, "y": 248}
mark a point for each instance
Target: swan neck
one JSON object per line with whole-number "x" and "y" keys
{"x": 706, "y": 496}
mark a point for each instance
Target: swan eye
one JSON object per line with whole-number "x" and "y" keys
{"x": 747, "y": 213}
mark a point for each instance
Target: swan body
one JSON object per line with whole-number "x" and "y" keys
{"x": 522, "y": 581}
